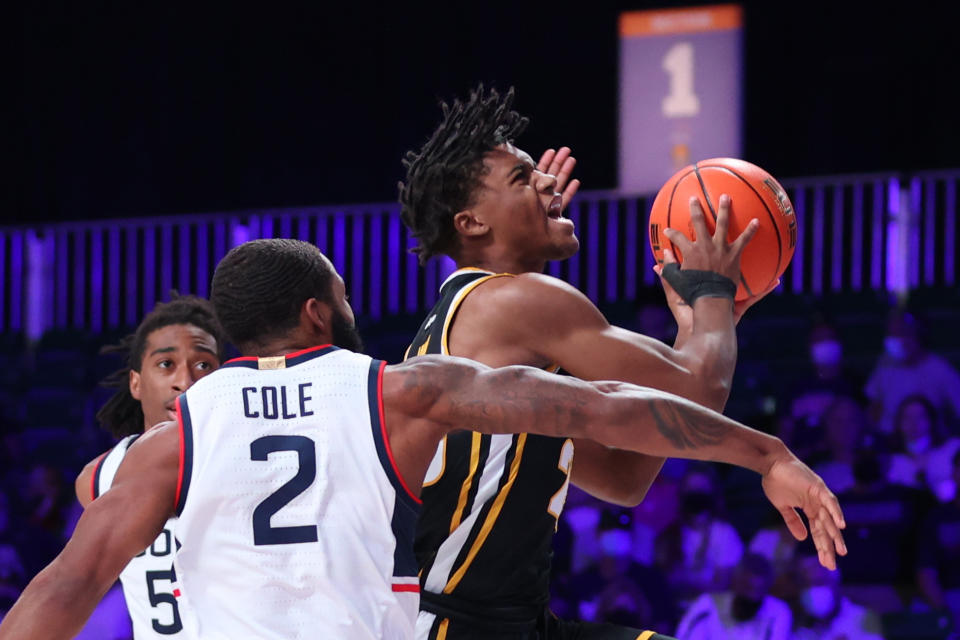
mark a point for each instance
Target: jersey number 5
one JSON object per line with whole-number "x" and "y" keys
{"x": 156, "y": 599}
{"x": 260, "y": 449}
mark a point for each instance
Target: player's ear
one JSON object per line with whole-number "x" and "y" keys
{"x": 469, "y": 223}
{"x": 315, "y": 317}
{"x": 135, "y": 384}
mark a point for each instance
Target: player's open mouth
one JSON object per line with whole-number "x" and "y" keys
{"x": 555, "y": 210}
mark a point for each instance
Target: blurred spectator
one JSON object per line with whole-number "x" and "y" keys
{"x": 922, "y": 455}
{"x": 747, "y": 612}
{"x": 907, "y": 369}
{"x": 13, "y": 577}
{"x": 938, "y": 556}
{"x": 844, "y": 428}
{"x": 700, "y": 550}
{"x": 823, "y": 613}
{"x": 43, "y": 506}
{"x": 827, "y": 380}
{"x": 881, "y": 534}
{"x": 774, "y": 542}
{"x": 619, "y": 590}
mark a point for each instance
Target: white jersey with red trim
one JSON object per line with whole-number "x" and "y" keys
{"x": 293, "y": 520}
{"x": 148, "y": 579}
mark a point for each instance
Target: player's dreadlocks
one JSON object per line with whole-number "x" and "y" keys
{"x": 122, "y": 414}
{"x": 443, "y": 178}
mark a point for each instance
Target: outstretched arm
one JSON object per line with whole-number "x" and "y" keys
{"x": 113, "y": 529}
{"x": 452, "y": 392}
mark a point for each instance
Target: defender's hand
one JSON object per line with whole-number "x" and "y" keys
{"x": 712, "y": 253}
{"x": 790, "y": 484}
{"x": 560, "y": 164}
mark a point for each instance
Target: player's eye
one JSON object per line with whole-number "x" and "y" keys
{"x": 204, "y": 366}
{"x": 165, "y": 364}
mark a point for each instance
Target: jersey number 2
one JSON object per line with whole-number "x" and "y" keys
{"x": 260, "y": 449}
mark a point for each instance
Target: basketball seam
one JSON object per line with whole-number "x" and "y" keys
{"x": 703, "y": 188}
{"x": 766, "y": 208}
{"x": 673, "y": 191}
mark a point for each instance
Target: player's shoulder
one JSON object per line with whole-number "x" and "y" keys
{"x": 527, "y": 293}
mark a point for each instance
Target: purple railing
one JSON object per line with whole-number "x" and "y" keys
{"x": 881, "y": 232}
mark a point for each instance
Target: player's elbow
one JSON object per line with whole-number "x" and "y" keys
{"x": 709, "y": 384}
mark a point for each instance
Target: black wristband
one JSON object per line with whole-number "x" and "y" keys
{"x": 691, "y": 284}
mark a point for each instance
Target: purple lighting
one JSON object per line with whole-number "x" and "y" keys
{"x": 166, "y": 264}
{"x": 130, "y": 313}
{"x": 897, "y": 241}
{"x": 393, "y": 261}
{"x": 16, "y": 282}
{"x": 573, "y": 264}
{"x": 357, "y": 259}
{"x": 113, "y": 277}
{"x": 910, "y": 221}
{"x": 340, "y": 242}
{"x": 929, "y": 231}
{"x": 837, "y": 244}
{"x": 950, "y": 234}
{"x": 62, "y": 286}
{"x": 593, "y": 252}
{"x": 630, "y": 249}
{"x": 876, "y": 244}
{"x": 203, "y": 261}
{"x": 856, "y": 274}
{"x": 613, "y": 225}
{"x": 3, "y": 281}
{"x": 96, "y": 279}
{"x": 79, "y": 277}
{"x": 184, "y": 251}
{"x": 818, "y": 229}
{"x": 800, "y": 210}
{"x": 376, "y": 266}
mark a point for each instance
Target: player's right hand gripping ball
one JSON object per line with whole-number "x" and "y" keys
{"x": 754, "y": 193}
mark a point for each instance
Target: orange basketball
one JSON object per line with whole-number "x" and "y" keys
{"x": 754, "y": 193}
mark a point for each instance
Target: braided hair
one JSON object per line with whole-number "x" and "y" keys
{"x": 260, "y": 286}
{"x": 122, "y": 414}
{"x": 444, "y": 176}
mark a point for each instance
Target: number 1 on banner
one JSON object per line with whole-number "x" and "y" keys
{"x": 681, "y": 102}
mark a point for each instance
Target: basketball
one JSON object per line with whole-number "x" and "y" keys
{"x": 754, "y": 193}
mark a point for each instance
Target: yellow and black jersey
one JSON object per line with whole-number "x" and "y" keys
{"x": 490, "y": 503}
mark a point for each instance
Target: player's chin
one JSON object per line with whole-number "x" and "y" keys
{"x": 563, "y": 248}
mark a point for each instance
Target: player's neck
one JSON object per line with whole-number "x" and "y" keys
{"x": 500, "y": 262}
{"x": 283, "y": 346}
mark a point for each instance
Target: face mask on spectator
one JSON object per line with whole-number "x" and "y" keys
{"x": 819, "y": 601}
{"x": 895, "y": 348}
{"x": 826, "y": 353}
{"x": 920, "y": 445}
{"x": 744, "y": 608}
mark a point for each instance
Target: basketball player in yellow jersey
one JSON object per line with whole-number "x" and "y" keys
{"x": 490, "y": 503}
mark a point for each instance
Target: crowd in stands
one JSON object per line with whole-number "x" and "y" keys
{"x": 704, "y": 556}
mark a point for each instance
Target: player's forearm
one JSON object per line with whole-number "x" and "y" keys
{"x": 54, "y": 605}
{"x": 661, "y": 424}
{"x": 710, "y": 351}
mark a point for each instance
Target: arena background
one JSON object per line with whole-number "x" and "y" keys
{"x": 271, "y": 115}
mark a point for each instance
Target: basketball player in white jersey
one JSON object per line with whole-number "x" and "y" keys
{"x": 296, "y": 469}
{"x": 175, "y": 345}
